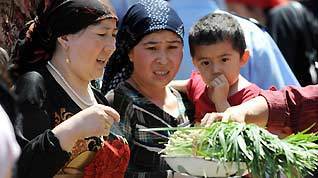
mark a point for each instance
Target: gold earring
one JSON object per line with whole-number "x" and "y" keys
{"x": 67, "y": 60}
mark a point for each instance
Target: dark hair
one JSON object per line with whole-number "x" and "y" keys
{"x": 214, "y": 28}
{"x": 55, "y": 18}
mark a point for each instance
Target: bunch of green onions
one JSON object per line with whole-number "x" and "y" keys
{"x": 263, "y": 153}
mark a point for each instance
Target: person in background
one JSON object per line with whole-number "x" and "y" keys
{"x": 311, "y": 5}
{"x": 147, "y": 57}
{"x": 64, "y": 118}
{"x": 254, "y": 9}
{"x": 293, "y": 27}
{"x": 295, "y": 30}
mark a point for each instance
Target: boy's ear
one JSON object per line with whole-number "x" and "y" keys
{"x": 63, "y": 41}
{"x": 193, "y": 62}
{"x": 245, "y": 57}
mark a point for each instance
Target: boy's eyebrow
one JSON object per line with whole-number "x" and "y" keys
{"x": 203, "y": 57}
{"x": 224, "y": 55}
{"x": 209, "y": 57}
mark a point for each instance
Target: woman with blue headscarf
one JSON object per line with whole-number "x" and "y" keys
{"x": 148, "y": 55}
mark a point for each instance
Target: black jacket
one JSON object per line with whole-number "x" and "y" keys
{"x": 295, "y": 30}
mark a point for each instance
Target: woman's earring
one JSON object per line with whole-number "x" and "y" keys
{"x": 67, "y": 60}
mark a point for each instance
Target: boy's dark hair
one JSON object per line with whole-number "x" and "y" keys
{"x": 214, "y": 28}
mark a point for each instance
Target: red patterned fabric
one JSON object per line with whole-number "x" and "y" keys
{"x": 111, "y": 161}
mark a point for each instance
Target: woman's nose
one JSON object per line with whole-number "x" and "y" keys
{"x": 162, "y": 57}
{"x": 110, "y": 47}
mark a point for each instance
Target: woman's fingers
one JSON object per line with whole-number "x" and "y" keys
{"x": 107, "y": 127}
{"x": 110, "y": 112}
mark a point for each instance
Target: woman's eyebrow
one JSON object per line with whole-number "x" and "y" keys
{"x": 150, "y": 43}
{"x": 106, "y": 27}
{"x": 157, "y": 42}
{"x": 174, "y": 41}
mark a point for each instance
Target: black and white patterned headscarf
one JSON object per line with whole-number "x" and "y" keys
{"x": 142, "y": 18}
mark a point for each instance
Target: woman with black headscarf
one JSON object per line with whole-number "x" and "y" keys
{"x": 64, "y": 118}
{"x": 148, "y": 55}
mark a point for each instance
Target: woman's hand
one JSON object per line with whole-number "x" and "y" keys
{"x": 93, "y": 121}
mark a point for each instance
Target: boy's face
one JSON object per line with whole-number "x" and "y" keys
{"x": 216, "y": 59}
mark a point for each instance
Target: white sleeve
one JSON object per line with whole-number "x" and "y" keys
{"x": 9, "y": 148}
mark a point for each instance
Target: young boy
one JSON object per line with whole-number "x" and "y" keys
{"x": 218, "y": 50}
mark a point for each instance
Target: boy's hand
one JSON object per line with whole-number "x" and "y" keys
{"x": 220, "y": 90}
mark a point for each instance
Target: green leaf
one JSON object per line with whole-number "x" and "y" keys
{"x": 241, "y": 143}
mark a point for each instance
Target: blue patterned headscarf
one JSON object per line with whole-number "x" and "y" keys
{"x": 142, "y": 18}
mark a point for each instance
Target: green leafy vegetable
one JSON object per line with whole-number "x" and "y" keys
{"x": 262, "y": 152}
